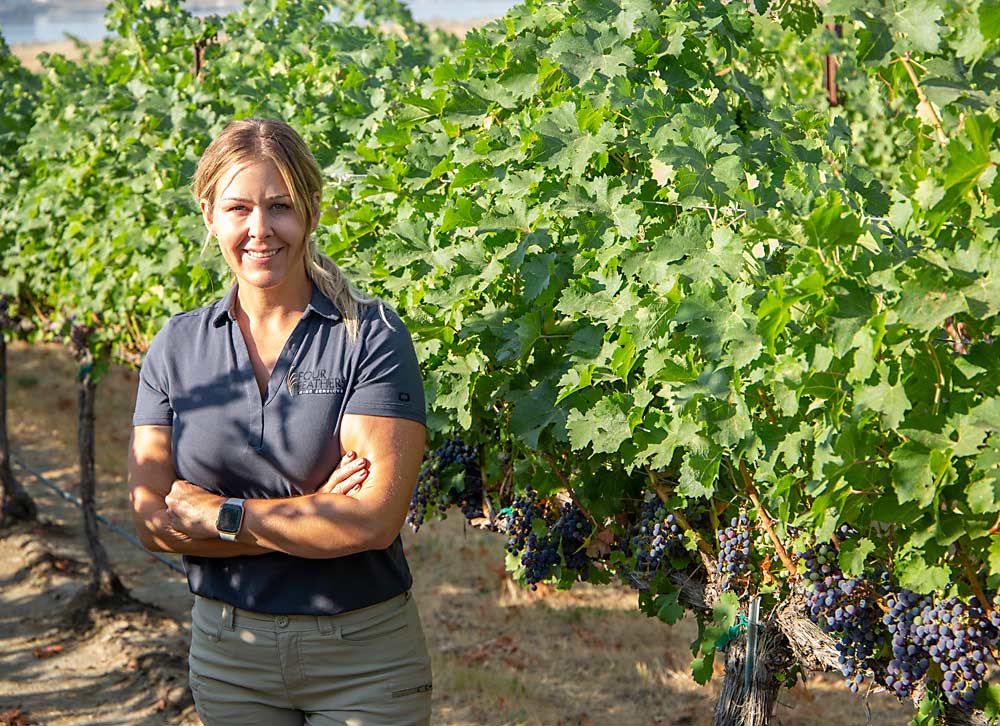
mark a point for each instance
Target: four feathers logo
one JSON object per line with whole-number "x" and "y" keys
{"x": 301, "y": 383}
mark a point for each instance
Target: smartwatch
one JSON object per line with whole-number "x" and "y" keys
{"x": 230, "y": 519}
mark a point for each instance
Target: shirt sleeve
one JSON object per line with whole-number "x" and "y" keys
{"x": 152, "y": 401}
{"x": 388, "y": 380}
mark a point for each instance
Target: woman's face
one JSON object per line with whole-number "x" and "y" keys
{"x": 261, "y": 237}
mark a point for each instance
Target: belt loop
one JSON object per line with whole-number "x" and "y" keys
{"x": 325, "y": 623}
{"x": 228, "y": 617}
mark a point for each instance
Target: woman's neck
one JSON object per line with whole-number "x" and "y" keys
{"x": 275, "y": 306}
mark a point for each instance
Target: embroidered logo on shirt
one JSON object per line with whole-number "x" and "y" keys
{"x": 302, "y": 382}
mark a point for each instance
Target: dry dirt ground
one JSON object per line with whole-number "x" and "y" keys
{"x": 501, "y": 654}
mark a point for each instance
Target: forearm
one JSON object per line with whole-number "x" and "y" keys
{"x": 158, "y": 535}
{"x": 317, "y": 525}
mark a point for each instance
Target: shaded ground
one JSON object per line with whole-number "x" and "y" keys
{"x": 502, "y": 655}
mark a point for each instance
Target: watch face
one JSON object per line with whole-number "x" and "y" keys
{"x": 230, "y": 516}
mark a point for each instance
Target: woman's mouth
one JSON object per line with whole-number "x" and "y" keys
{"x": 261, "y": 254}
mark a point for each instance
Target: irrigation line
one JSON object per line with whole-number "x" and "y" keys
{"x": 128, "y": 537}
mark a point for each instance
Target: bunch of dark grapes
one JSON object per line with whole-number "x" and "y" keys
{"x": 539, "y": 554}
{"x": 470, "y": 499}
{"x": 909, "y": 659}
{"x": 958, "y": 636}
{"x": 428, "y": 493}
{"x": 524, "y": 510}
{"x": 564, "y": 541}
{"x": 573, "y": 530}
{"x": 659, "y": 540}
{"x": 540, "y": 557}
{"x": 425, "y": 496}
{"x": 845, "y": 607}
{"x": 734, "y": 550}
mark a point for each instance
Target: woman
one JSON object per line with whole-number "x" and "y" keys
{"x": 302, "y": 612}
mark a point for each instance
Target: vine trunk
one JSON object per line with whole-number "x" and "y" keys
{"x": 104, "y": 581}
{"x": 16, "y": 505}
{"x": 749, "y": 695}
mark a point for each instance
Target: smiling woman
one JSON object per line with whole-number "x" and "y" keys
{"x": 261, "y": 236}
{"x": 285, "y": 493}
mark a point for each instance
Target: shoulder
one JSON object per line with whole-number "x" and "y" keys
{"x": 379, "y": 319}
{"x": 185, "y": 327}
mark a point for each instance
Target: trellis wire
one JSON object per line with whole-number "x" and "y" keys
{"x": 128, "y": 537}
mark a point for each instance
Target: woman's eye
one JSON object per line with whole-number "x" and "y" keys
{"x": 280, "y": 206}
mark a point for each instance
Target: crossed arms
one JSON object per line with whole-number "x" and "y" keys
{"x": 340, "y": 518}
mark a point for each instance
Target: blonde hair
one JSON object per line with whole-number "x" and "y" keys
{"x": 251, "y": 140}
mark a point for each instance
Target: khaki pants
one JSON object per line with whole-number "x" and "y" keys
{"x": 367, "y": 667}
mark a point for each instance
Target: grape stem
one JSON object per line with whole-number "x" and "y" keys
{"x": 569, "y": 489}
{"x": 977, "y": 588}
{"x": 973, "y": 580}
{"x": 767, "y": 405}
{"x": 942, "y": 138}
{"x": 37, "y": 310}
{"x": 995, "y": 529}
{"x": 767, "y": 522}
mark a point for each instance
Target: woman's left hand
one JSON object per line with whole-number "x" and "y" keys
{"x": 193, "y": 511}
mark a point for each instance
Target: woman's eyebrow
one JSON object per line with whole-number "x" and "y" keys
{"x": 244, "y": 199}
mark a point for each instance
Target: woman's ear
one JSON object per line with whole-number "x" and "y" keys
{"x": 206, "y": 214}
{"x": 316, "y": 208}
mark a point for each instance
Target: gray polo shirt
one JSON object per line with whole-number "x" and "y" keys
{"x": 227, "y": 438}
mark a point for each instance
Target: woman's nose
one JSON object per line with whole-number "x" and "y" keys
{"x": 260, "y": 223}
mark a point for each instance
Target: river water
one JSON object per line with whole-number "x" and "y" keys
{"x": 40, "y": 21}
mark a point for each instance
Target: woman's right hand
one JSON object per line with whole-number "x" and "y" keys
{"x": 348, "y": 477}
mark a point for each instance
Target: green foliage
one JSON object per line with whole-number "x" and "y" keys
{"x": 628, "y": 237}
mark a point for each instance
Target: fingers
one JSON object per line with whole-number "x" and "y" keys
{"x": 352, "y": 484}
{"x": 348, "y": 475}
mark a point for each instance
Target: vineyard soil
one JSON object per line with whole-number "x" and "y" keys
{"x": 502, "y": 655}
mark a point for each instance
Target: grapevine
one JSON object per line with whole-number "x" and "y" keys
{"x": 627, "y": 237}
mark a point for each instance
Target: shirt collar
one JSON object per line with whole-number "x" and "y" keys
{"x": 224, "y": 308}
{"x": 321, "y": 305}
{"x": 318, "y": 303}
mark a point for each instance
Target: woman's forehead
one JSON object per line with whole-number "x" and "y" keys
{"x": 261, "y": 175}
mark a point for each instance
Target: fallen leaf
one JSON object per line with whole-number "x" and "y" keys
{"x": 47, "y": 651}
{"x": 16, "y": 718}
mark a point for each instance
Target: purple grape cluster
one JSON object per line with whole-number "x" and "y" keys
{"x": 958, "y": 637}
{"x": 425, "y": 497}
{"x": 909, "y": 660}
{"x": 540, "y": 557}
{"x": 845, "y": 607}
{"x": 573, "y": 531}
{"x": 563, "y": 542}
{"x": 660, "y": 538}
{"x": 428, "y": 493}
{"x": 470, "y": 498}
{"x": 539, "y": 554}
{"x": 524, "y": 510}
{"x": 734, "y": 550}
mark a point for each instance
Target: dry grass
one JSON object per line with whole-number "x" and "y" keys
{"x": 502, "y": 654}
